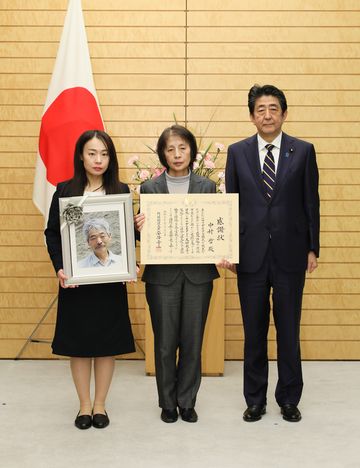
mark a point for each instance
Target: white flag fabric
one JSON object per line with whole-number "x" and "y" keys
{"x": 71, "y": 108}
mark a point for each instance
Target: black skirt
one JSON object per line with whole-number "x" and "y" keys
{"x": 93, "y": 321}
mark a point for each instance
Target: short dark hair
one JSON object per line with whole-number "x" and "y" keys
{"x": 111, "y": 181}
{"x": 267, "y": 90}
{"x": 184, "y": 134}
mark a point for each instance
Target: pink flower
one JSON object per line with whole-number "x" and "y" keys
{"x": 219, "y": 146}
{"x": 195, "y": 165}
{"x": 222, "y": 188}
{"x": 144, "y": 174}
{"x": 208, "y": 157}
{"x": 158, "y": 171}
{"x": 209, "y": 164}
{"x": 132, "y": 160}
{"x": 199, "y": 157}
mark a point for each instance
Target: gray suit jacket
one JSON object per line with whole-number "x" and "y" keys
{"x": 166, "y": 274}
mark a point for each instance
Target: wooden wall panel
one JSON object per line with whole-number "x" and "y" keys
{"x": 311, "y": 51}
{"x": 195, "y": 59}
{"x": 138, "y": 56}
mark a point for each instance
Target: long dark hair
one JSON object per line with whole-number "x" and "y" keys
{"x": 184, "y": 134}
{"x": 111, "y": 182}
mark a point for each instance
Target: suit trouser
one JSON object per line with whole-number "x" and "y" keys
{"x": 178, "y": 315}
{"x": 254, "y": 292}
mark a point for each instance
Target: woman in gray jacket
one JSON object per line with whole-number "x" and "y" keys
{"x": 178, "y": 295}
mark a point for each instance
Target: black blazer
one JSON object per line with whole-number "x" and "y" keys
{"x": 166, "y": 274}
{"x": 291, "y": 218}
{"x": 52, "y": 232}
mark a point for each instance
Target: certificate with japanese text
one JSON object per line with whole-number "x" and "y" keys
{"x": 189, "y": 228}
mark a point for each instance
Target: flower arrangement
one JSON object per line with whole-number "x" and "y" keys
{"x": 204, "y": 165}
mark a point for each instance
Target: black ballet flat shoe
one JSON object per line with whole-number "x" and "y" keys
{"x": 83, "y": 422}
{"x": 100, "y": 421}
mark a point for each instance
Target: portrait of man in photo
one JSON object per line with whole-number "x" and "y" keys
{"x": 97, "y": 234}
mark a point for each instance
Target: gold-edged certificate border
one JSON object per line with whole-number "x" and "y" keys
{"x": 189, "y": 228}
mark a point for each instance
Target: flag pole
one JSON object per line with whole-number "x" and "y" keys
{"x": 30, "y": 338}
{"x": 71, "y": 107}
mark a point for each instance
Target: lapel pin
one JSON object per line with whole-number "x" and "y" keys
{"x": 287, "y": 154}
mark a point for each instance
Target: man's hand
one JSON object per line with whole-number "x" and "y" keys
{"x": 312, "y": 262}
{"x": 226, "y": 264}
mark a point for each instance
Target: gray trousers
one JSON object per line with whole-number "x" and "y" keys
{"x": 178, "y": 315}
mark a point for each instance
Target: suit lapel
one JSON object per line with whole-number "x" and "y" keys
{"x": 285, "y": 160}
{"x": 161, "y": 183}
{"x": 194, "y": 183}
{"x": 253, "y": 160}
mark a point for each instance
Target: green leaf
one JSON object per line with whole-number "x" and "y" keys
{"x": 151, "y": 149}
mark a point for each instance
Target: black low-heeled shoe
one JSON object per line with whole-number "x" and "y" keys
{"x": 169, "y": 415}
{"x": 100, "y": 421}
{"x": 83, "y": 422}
{"x": 254, "y": 413}
{"x": 290, "y": 413}
{"x": 188, "y": 415}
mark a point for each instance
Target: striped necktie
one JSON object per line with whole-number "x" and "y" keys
{"x": 269, "y": 171}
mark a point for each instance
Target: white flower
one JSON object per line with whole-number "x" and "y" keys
{"x": 132, "y": 160}
{"x": 219, "y": 146}
{"x": 222, "y": 188}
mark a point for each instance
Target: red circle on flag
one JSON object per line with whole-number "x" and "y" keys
{"x": 73, "y": 112}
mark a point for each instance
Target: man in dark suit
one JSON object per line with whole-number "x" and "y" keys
{"x": 276, "y": 177}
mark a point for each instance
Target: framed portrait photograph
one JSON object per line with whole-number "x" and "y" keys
{"x": 97, "y": 237}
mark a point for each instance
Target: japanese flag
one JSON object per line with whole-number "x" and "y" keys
{"x": 71, "y": 108}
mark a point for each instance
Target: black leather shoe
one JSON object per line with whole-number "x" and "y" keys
{"x": 290, "y": 413}
{"x": 100, "y": 420}
{"x": 169, "y": 415}
{"x": 188, "y": 415}
{"x": 254, "y": 413}
{"x": 83, "y": 421}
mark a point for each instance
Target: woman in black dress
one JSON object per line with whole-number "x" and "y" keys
{"x": 92, "y": 320}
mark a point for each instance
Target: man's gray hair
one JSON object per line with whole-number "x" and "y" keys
{"x": 100, "y": 224}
